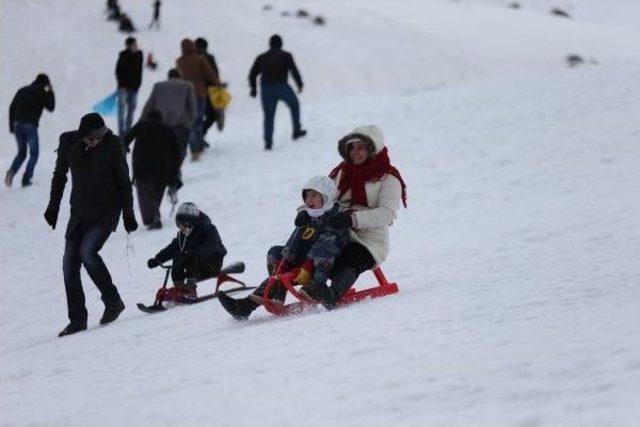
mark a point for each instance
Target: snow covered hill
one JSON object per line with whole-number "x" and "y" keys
{"x": 517, "y": 259}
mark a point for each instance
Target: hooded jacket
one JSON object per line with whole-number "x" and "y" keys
{"x": 371, "y": 223}
{"x": 195, "y": 69}
{"x": 203, "y": 242}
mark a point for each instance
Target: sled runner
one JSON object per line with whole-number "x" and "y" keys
{"x": 165, "y": 294}
{"x": 286, "y": 280}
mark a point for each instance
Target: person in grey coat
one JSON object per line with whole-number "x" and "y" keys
{"x": 175, "y": 100}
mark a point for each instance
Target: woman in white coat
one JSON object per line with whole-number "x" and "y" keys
{"x": 369, "y": 192}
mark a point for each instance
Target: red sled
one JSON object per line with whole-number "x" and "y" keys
{"x": 286, "y": 280}
{"x": 165, "y": 294}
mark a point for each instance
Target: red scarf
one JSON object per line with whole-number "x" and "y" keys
{"x": 354, "y": 177}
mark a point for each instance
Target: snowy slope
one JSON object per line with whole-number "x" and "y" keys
{"x": 517, "y": 257}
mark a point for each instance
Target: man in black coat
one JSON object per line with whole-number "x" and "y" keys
{"x": 129, "y": 77}
{"x": 100, "y": 191}
{"x": 156, "y": 164}
{"x": 197, "y": 251}
{"x": 24, "y": 116}
{"x": 274, "y": 67}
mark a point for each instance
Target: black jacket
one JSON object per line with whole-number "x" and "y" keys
{"x": 28, "y": 103}
{"x": 129, "y": 70}
{"x": 211, "y": 60}
{"x": 100, "y": 186}
{"x": 156, "y": 154}
{"x": 203, "y": 242}
{"x": 274, "y": 66}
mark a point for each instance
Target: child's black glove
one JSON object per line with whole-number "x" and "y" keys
{"x": 303, "y": 218}
{"x": 153, "y": 263}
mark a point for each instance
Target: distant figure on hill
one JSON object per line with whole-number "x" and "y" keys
{"x": 175, "y": 100}
{"x": 211, "y": 115}
{"x": 156, "y": 163}
{"x": 155, "y": 21}
{"x": 24, "y": 115}
{"x": 126, "y": 24}
{"x": 129, "y": 77}
{"x": 194, "y": 68}
{"x": 274, "y": 66}
{"x": 100, "y": 192}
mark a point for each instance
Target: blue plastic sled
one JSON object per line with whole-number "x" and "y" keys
{"x": 108, "y": 106}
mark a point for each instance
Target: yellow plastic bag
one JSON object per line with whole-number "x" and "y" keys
{"x": 219, "y": 97}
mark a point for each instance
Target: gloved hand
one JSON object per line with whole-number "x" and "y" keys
{"x": 253, "y": 92}
{"x": 130, "y": 223}
{"x": 341, "y": 220}
{"x": 303, "y": 218}
{"x": 51, "y": 215}
{"x": 153, "y": 263}
{"x": 303, "y": 278}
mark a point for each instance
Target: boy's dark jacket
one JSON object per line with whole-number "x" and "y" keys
{"x": 203, "y": 242}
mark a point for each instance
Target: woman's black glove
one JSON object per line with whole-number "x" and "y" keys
{"x": 341, "y": 220}
{"x": 51, "y": 215}
{"x": 303, "y": 218}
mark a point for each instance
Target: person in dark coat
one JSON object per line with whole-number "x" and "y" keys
{"x": 126, "y": 24}
{"x": 129, "y": 77}
{"x": 24, "y": 116}
{"x": 312, "y": 247}
{"x": 211, "y": 115}
{"x": 197, "y": 251}
{"x": 156, "y": 15}
{"x": 100, "y": 192}
{"x": 175, "y": 100}
{"x": 274, "y": 67}
{"x": 156, "y": 164}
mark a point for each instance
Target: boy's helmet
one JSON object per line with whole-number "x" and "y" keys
{"x": 187, "y": 215}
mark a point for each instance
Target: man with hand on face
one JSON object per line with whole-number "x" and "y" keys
{"x": 100, "y": 192}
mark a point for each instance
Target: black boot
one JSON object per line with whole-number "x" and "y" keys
{"x": 299, "y": 134}
{"x": 240, "y": 309}
{"x": 111, "y": 312}
{"x": 72, "y": 328}
{"x": 321, "y": 293}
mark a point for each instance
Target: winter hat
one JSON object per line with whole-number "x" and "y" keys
{"x": 187, "y": 46}
{"x": 327, "y": 188}
{"x": 275, "y": 41}
{"x": 187, "y": 214}
{"x": 92, "y": 126}
{"x": 201, "y": 43}
{"x": 371, "y": 134}
{"x": 42, "y": 80}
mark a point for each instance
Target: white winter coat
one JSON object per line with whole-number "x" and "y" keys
{"x": 371, "y": 223}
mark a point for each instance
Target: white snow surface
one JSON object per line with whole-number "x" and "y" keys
{"x": 517, "y": 259}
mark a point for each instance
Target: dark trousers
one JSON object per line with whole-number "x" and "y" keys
{"x": 26, "y": 137}
{"x": 270, "y": 94}
{"x": 82, "y": 249}
{"x": 195, "y": 268}
{"x": 352, "y": 261}
{"x": 210, "y": 117}
{"x": 196, "y": 141}
{"x": 150, "y": 195}
{"x": 182, "y": 135}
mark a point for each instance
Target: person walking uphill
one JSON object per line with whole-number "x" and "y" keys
{"x": 274, "y": 66}
{"x": 175, "y": 100}
{"x": 194, "y": 68}
{"x": 129, "y": 77}
{"x": 24, "y": 115}
{"x": 100, "y": 191}
{"x": 156, "y": 164}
